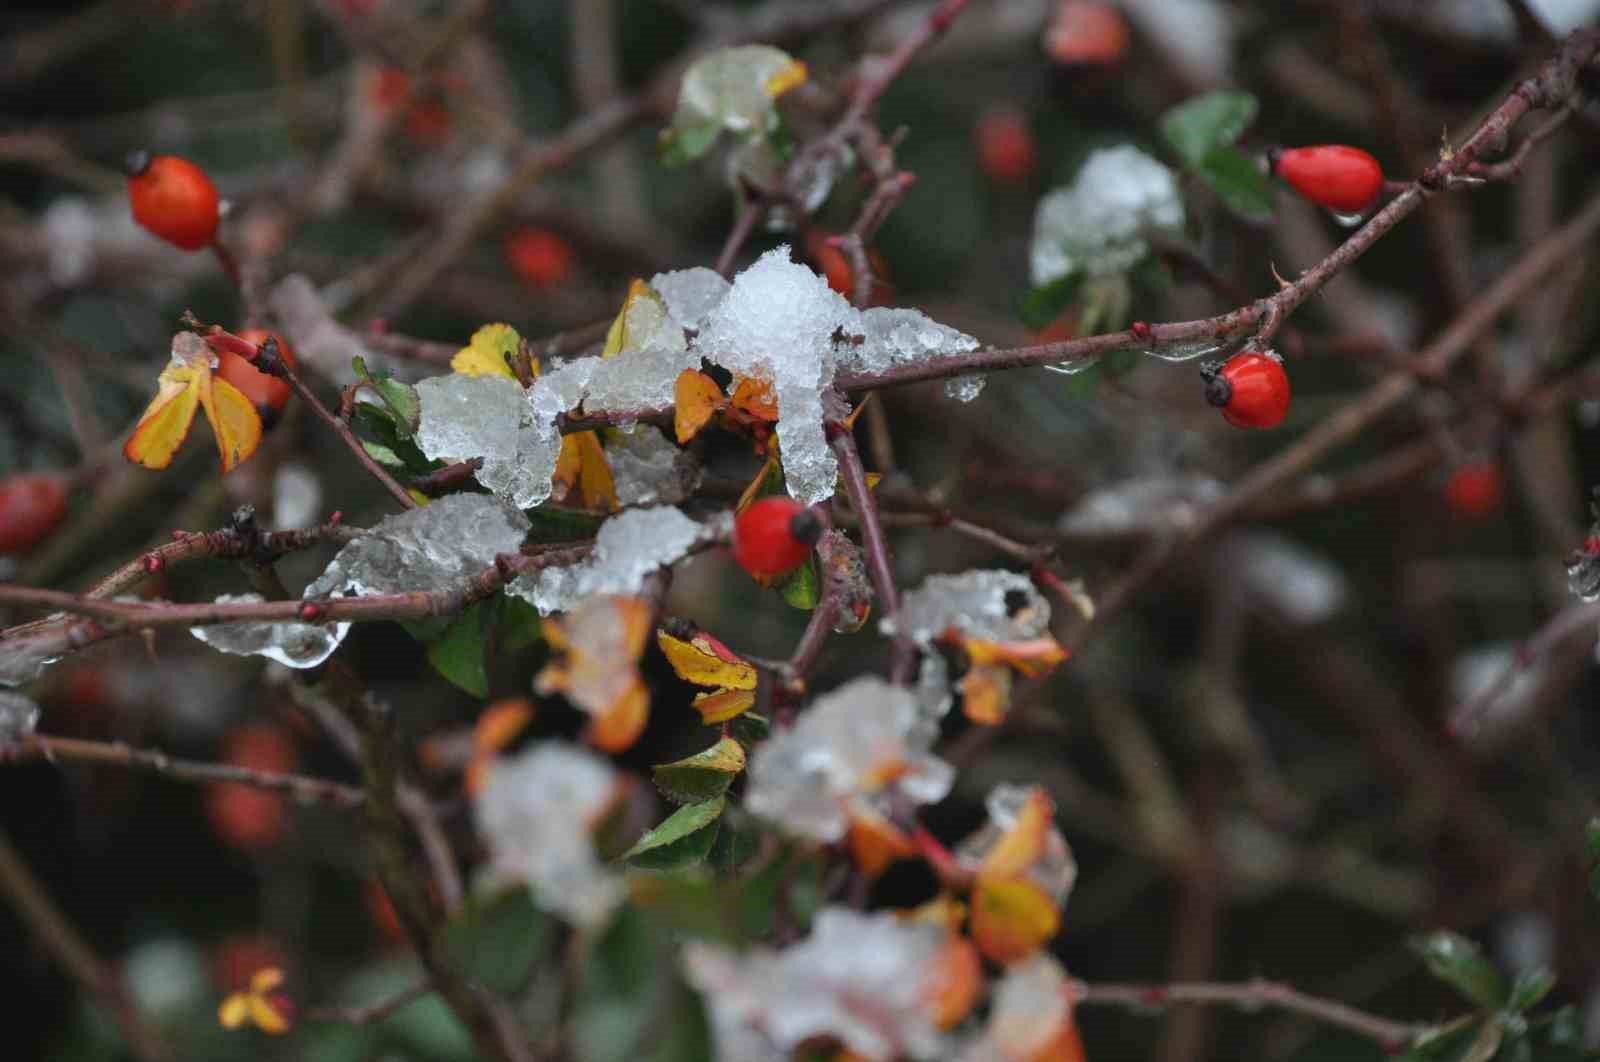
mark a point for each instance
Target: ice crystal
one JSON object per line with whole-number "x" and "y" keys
{"x": 690, "y": 294}
{"x": 1055, "y": 871}
{"x": 731, "y": 89}
{"x": 842, "y": 750}
{"x": 860, "y": 978}
{"x": 22, "y": 660}
{"x": 18, "y": 716}
{"x": 435, "y": 547}
{"x": 965, "y": 388}
{"x": 293, "y": 644}
{"x": 648, "y": 468}
{"x": 629, "y": 546}
{"x": 490, "y": 417}
{"x": 995, "y": 605}
{"x": 1097, "y": 224}
{"x": 895, "y": 336}
{"x": 536, "y": 814}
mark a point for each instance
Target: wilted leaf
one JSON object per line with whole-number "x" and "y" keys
{"x": 723, "y": 705}
{"x": 1011, "y": 918}
{"x": 1022, "y": 845}
{"x": 489, "y": 352}
{"x": 703, "y": 776}
{"x": 696, "y": 399}
{"x": 598, "y": 645}
{"x": 187, "y": 383}
{"x": 619, "y": 725}
{"x": 582, "y": 464}
{"x": 1034, "y": 657}
{"x": 1193, "y": 128}
{"x": 496, "y": 728}
{"x": 876, "y": 843}
{"x": 985, "y": 694}
{"x": 754, "y": 397}
{"x": 705, "y": 661}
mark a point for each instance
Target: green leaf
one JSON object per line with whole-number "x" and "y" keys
{"x": 497, "y": 939}
{"x": 520, "y": 624}
{"x": 1238, "y": 181}
{"x": 702, "y": 777}
{"x": 685, "y": 837}
{"x": 733, "y": 849}
{"x": 687, "y": 1037}
{"x": 1530, "y": 987}
{"x": 374, "y": 423}
{"x": 550, "y": 523}
{"x": 1444, "y": 1044}
{"x": 682, "y": 145}
{"x": 1045, "y": 303}
{"x": 458, "y": 654}
{"x": 382, "y": 454}
{"x": 400, "y": 398}
{"x": 1487, "y": 1043}
{"x": 1591, "y": 838}
{"x": 624, "y": 980}
{"x": 1216, "y": 119}
{"x": 1457, "y": 961}
{"x": 800, "y": 587}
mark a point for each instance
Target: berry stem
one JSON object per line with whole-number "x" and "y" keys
{"x": 229, "y": 264}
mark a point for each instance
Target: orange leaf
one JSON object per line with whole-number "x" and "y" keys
{"x": 582, "y": 464}
{"x": 985, "y": 694}
{"x": 1033, "y": 658}
{"x": 1067, "y": 1046}
{"x": 696, "y": 398}
{"x": 1011, "y": 917}
{"x": 234, "y": 421}
{"x": 1023, "y": 844}
{"x": 165, "y": 423}
{"x": 598, "y": 645}
{"x": 723, "y": 705}
{"x": 705, "y": 661}
{"x": 954, "y": 981}
{"x": 754, "y": 396}
{"x": 619, "y": 726}
{"x": 499, "y": 723}
{"x": 876, "y": 843}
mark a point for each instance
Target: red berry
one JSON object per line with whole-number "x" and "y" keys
{"x": 1252, "y": 390}
{"x": 30, "y": 507}
{"x": 267, "y": 393}
{"x": 173, "y": 198}
{"x": 774, "y": 536}
{"x": 1341, "y": 178}
{"x": 1086, "y": 34}
{"x": 540, "y": 257}
{"x": 1475, "y": 490}
{"x": 1006, "y": 148}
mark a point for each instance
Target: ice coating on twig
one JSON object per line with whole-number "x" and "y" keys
{"x": 842, "y": 750}
{"x": 18, "y": 716}
{"x": 893, "y": 336}
{"x": 992, "y": 604}
{"x": 628, "y": 547}
{"x": 862, "y": 978}
{"x": 1097, "y": 224}
{"x": 22, "y": 661}
{"x": 435, "y": 547}
{"x": 489, "y": 417}
{"x": 537, "y": 812}
{"x": 648, "y": 469}
{"x": 1055, "y": 870}
{"x": 290, "y": 643}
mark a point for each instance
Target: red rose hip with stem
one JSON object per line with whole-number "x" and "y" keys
{"x": 31, "y": 505}
{"x": 1341, "y": 178}
{"x": 267, "y": 393}
{"x": 774, "y": 536}
{"x": 1475, "y": 490}
{"x": 1250, "y": 388}
{"x": 173, "y": 198}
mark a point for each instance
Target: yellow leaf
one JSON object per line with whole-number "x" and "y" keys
{"x": 641, "y": 314}
{"x": 723, "y": 705}
{"x": 165, "y": 423}
{"x": 266, "y": 1016}
{"x": 619, "y": 726}
{"x": 1011, "y": 917}
{"x": 234, "y": 1010}
{"x": 985, "y": 693}
{"x": 943, "y": 910}
{"x": 1033, "y": 658}
{"x": 233, "y": 418}
{"x": 582, "y": 465}
{"x": 266, "y": 979}
{"x": 696, "y": 399}
{"x": 705, "y": 661}
{"x": 789, "y": 77}
{"x": 488, "y": 352}
{"x": 754, "y": 396}
{"x": 1023, "y": 844}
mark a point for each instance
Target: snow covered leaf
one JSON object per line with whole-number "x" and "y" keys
{"x": 643, "y": 315}
{"x": 690, "y": 294}
{"x": 987, "y": 604}
{"x": 723, "y": 705}
{"x": 583, "y": 466}
{"x": 696, "y": 399}
{"x": 705, "y": 661}
{"x": 985, "y": 694}
{"x": 1011, "y": 917}
{"x": 185, "y": 384}
{"x": 1030, "y": 1019}
{"x": 647, "y": 468}
{"x": 1097, "y": 224}
{"x": 1023, "y": 844}
{"x": 496, "y": 728}
{"x": 875, "y": 843}
{"x": 685, "y": 837}
{"x": 700, "y": 777}
{"x": 600, "y": 643}
{"x": 753, "y": 396}
{"x": 537, "y": 813}
{"x": 732, "y": 89}
{"x": 1012, "y": 840}
{"x": 489, "y": 352}
{"x": 866, "y": 980}
{"x": 848, "y": 748}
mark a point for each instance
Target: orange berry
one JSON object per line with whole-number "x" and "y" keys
{"x": 1086, "y": 34}
{"x": 539, "y": 256}
{"x": 173, "y": 198}
{"x": 267, "y": 393}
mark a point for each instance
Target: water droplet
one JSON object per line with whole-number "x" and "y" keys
{"x": 1583, "y": 576}
{"x": 1183, "y": 351}
{"x": 1348, "y": 221}
{"x": 1072, "y": 368}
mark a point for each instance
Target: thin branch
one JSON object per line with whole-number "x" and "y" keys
{"x": 1579, "y": 618}
{"x": 59, "y": 750}
{"x": 372, "y": 1012}
{"x": 1393, "y": 1036}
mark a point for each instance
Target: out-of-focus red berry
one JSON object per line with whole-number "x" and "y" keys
{"x": 263, "y": 391}
{"x": 1344, "y": 179}
{"x": 249, "y": 817}
{"x": 832, "y": 263}
{"x": 1006, "y": 148}
{"x": 774, "y": 536}
{"x": 1475, "y": 490}
{"x": 1251, "y": 389}
{"x": 174, "y": 199}
{"x": 31, "y": 505}
{"x": 539, "y": 256}
{"x": 1086, "y": 34}
{"x": 237, "y": 958}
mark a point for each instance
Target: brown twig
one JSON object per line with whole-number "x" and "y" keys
{"x": 372, "y": 1012}
{"x": 1576, "y": 619}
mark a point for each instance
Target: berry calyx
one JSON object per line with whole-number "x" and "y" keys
{"x": 774, "y": 536}
{"x": 1341, "y": 178}
{"x": 173, "y": 198}
{"x": 1475, "y": 490}
{"x": 1251, "y": 389}
{"x": 31, "y": 505}
{"x": 267, "y": 393}
{"x": 1006, "y": 148}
